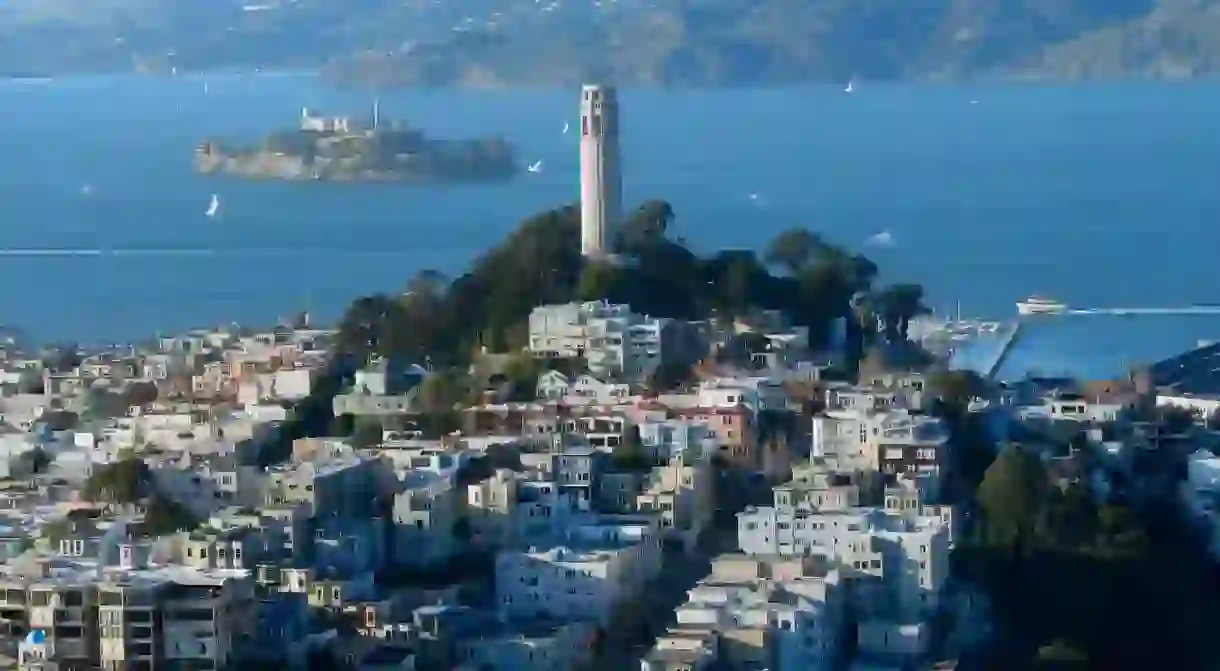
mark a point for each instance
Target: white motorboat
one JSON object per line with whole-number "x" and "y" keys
{"x": 1035, "y": 305}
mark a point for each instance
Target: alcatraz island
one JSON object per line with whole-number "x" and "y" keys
{"x": 342, "y": 149}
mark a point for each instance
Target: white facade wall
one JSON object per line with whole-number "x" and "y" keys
{"x": 911, "y": 556}
{"x": 581, "y": 578}
{"x": 1203, "y": 471}
{"x": 610, "y": 338}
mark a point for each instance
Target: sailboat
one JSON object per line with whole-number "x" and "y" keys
{"x": 565, "y": 128}
{"x": 535, "y": 167}
{"x": 849, "y": 88}
{"x": 882, "y": 239}
{"x": 213, "y": 207}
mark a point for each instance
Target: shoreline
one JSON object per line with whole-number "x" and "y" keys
{"x": 931, "y": 81}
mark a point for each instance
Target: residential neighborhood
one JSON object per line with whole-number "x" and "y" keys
{"x": 174, "y": 505}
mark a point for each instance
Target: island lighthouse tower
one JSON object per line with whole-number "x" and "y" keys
{"x": 601, "y": 182}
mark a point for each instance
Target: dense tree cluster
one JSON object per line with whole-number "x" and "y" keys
{"x": 444, "y": 322}
{"x": 128, "y": 481}
{"x": 312, "y": 416}
{"x": 164, "y": 516}
{"x": 1081, "y": 580}
{"x": 124, "y": 481}
{"x": 34, "y": 461}
{"x": 630, "y": 454}
{"x": 101, "y": 402}
{"x": 62, "y": 358}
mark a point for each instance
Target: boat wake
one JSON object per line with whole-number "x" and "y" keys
{"x": 105, "y": 252}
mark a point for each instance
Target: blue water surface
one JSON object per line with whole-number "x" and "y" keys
{"x": 1098, "y": 195}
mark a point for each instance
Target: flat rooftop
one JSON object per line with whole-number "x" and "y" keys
{"x": 62, "y": 571}
{"x": 1195, "y": 372}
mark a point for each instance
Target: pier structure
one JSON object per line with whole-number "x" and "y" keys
{"x": 986, "y": 352}
{"x": 998, "y": 354}
{"x": 1184, "y": 310}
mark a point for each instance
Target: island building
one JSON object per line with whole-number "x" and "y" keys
{"x": 311, "y": 122}
{"x": 601, "y": 180}
{"x": 341, "y": 124}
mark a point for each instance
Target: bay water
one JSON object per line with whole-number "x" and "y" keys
{"x": 1096, "y": 195}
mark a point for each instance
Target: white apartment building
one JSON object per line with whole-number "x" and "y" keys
{"x": 1203, "y": 471}
{"x": 128, "y": 616}
{"x": 756, "y": 392}
{"x": 1203, "y": 405}
{"x": 583, "y": 390}
{"x": 288, "y": 384}
{"x": 782, "y": 614}
{"x": 1058, "y": 406}
{"x": 681, "y": 649}
{"x": 541, "y": 512}
{"x": 525, "y": 646}
{"x": 892, "y": 440}
{"x": 666, "y": 438}
{"x": 424, "y": 519}
{"x": 910, "y": 390}
{"x": 331, "y": 484}
{"x": 682, "y": 494}
{"x": 850, "y": 398}
{"x": 490, "y": 506}
{"x": 909, "y": 555}
{"x": 611, "y": 338}
{"x": 600, "y": 565}
{"x": 818, "y": 489}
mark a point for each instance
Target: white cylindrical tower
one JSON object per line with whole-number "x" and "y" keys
{"x": 601, "y": 182}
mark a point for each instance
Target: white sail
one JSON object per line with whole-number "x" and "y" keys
{"x": 213, "y": 207}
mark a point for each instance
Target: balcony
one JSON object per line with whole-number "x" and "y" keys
{"x": 74, "y": 615}
{"x": 139, "y": 651}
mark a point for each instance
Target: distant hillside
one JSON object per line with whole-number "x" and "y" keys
{"x": 668, "y": 42}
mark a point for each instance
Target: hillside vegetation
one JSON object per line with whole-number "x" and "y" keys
{"x": 666, "y": 42}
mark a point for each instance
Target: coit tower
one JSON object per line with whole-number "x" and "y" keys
{"x": 601, "y": 182}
